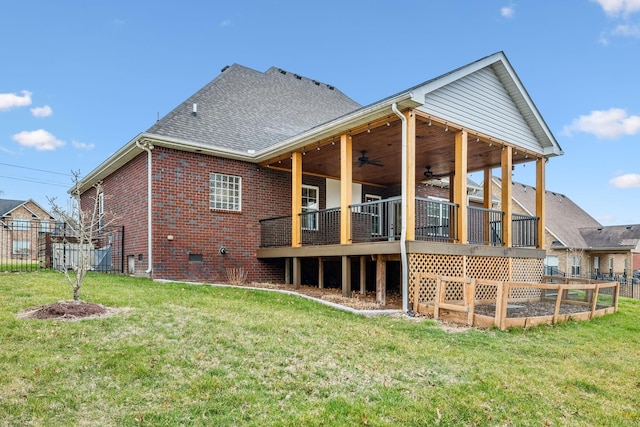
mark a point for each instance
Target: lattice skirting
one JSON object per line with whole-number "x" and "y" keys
{"x": 528, "y": 270}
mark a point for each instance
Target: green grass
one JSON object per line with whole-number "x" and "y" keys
{"x": 197, "y": 355}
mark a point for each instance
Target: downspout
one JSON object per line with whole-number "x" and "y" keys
{"x": 148, "y": 147}
{"x": 403, "y": 202}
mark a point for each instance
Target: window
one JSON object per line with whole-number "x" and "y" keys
{"x": 21, "y": 247}
{"x": 309, "y": 206}
{"x": 575, "y": 266}
{"x": 596, "y": 265}
{"x": 551, "y": 265}
{"x": 437, "y": 217}
{"x": 611, "y": 266}
{"x": 21, "y": 224}
{"x": 101, "y": 210}
{"x": 45, "y": 226}
{"x": 225, "y": 192}
{"x": 374, "y": 211}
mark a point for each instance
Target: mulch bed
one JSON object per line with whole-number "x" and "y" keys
{"x": 66, "y": 310}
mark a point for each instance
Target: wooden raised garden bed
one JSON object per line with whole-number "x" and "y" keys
{"x": 486, "y": 303}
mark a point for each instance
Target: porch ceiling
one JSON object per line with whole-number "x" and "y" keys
{"x": 382, "y": 141}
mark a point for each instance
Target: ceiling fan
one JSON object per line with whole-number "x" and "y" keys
{"x": 364, "y": 160}
{"x": 430, "y": 175}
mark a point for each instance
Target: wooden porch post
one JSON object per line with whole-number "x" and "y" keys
{"x": 363, "y": 275}
{"x": 296, "y": 199}
{"x": 540, "y": 200}
{"x": 507, "y": 195}
{"x": 297, "y": 273}
{"x": 488, "y": 188}
{"x": 346, "y": 170}
{"x": 346, "y": 276}
{"x": 381, "y": 279}
{"x": 460, "y": 185}
{"x": 411, "y": 175}
{"x": 320, "y": 272}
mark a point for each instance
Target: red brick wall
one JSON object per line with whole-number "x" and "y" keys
{"x": 181, "y": 209}
{"x": 125, "y": 204}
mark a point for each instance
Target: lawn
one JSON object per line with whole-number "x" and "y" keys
{"x": 178, "y": 354}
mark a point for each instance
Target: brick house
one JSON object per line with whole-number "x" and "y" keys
{"x": 290, "y": 179}
{"x": 577, "y": 244}
{"x": 20, "y": 223}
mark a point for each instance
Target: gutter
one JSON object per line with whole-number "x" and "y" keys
{"x": 148, "y": 147}
{"x": 403, "y": 228}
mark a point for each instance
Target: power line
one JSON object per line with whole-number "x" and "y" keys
{"x": 38, "y": 182}
{"x": 33, "y": 169}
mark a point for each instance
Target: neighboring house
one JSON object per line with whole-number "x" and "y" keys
{"x": 577, "y": 244}
{"x": 289, "y": 179}
{"x": 20, "y": 223}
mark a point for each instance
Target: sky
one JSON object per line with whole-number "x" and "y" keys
{"x": 80, "y": 79}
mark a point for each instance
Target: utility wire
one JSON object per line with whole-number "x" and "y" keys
{"x": 33, "y": 169}
{"x": 38, "y": 182}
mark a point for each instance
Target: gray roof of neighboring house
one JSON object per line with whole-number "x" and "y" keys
{"x": 612, "y": 236}
{"x": 244, "y": 109}
{"x": 563, "y": 218}
{"x": 6, "y": 205}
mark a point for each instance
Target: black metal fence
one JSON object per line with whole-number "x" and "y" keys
{"x": 34, "y": 245}
{"x": 629, "y": 285}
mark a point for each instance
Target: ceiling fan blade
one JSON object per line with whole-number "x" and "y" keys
{"x": 375, "y": 162}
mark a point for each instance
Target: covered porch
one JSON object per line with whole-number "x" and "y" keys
{"x": 383, "y": 166}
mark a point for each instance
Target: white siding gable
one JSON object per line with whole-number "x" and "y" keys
{"x": 479, "y": 101}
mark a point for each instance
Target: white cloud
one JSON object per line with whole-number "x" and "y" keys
{"x": 606, "y": 124}
{"x": 619, "y": 7}
{"x": 45, "y": 111}
{"x": 11, "y": 100}
{"x": 630, "y": 180}
{"x": 83, "y": 145}
{"x": 39, "y": 139}
{"x": 625, "y": 30}
{"x": 507, "y": 11}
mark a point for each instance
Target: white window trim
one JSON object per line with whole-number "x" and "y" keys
{"x": 374, "y": 211}
{"x": 21, "y": 224}
{"x": 21, "y": 247}
{"x": 235, "y": 201}
{"x": 305, "y": 209}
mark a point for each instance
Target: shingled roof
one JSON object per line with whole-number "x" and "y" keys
{"x": 612, "y": 237}
{"x": 6, "y": 206}
{"x": 563, "y": 218}
{"x": 244, "y": 109}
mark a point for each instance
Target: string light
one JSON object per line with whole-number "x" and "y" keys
{"x": 446, "y": 127}
{"x": 429, "y": 121}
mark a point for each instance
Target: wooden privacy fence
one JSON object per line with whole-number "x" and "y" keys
{"x": 485, "y": 303}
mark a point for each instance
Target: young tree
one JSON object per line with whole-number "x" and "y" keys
{"x": 82, "y": 223}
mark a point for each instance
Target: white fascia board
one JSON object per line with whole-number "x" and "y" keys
{"x": 130, "y": 150}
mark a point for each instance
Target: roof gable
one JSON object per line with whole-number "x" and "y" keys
{"x": 7, "y": 206}
{"x": 487, "y": 96}
{"x": 247, "y": 110}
